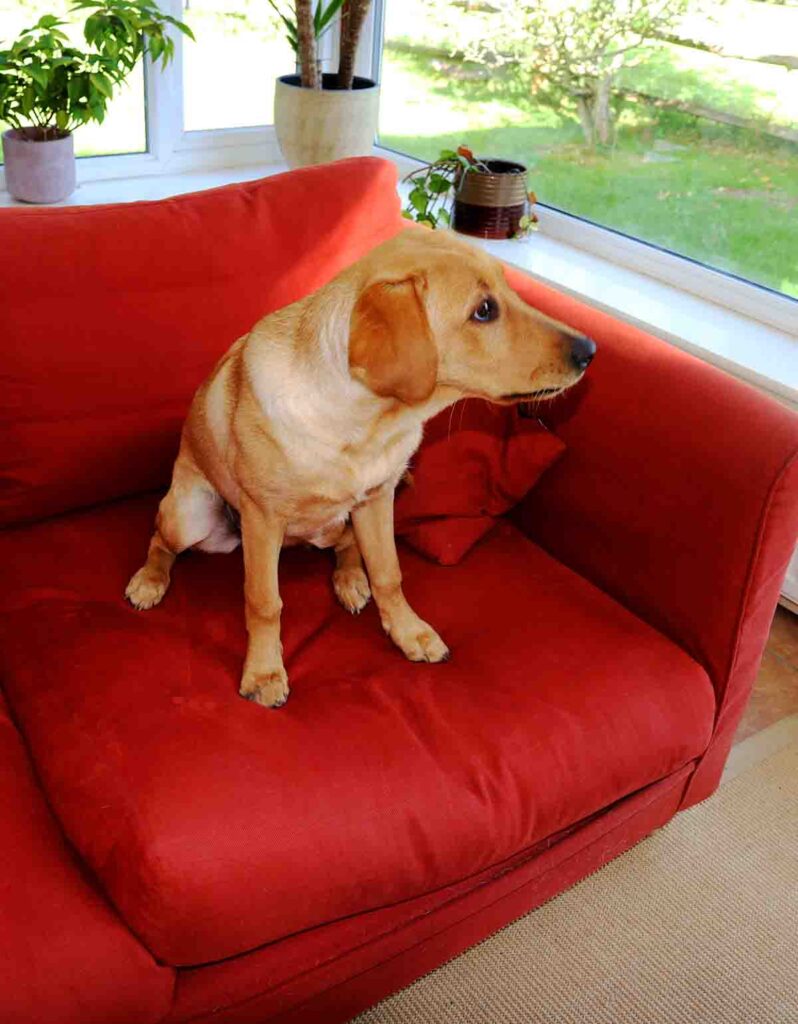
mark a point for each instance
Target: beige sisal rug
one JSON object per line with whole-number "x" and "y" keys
{"x": 696, "y": 925}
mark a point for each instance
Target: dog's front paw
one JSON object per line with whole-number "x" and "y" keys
{"x": 269, "y": 689}
{"x": 352, "y": 589}
{"x": 146, "y": 588}
{"x": 420, "y": 643}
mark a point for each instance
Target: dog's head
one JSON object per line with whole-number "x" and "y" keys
{"x": 435, "y": 312}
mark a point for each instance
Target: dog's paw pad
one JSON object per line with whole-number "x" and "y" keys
{"x": 269, "y": 689}
{"x": 425, "y": 645}
{"x": 352, "y": 589}
{"x": 146, "y": 589}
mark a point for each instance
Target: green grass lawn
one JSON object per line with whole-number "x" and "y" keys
{"x": 727, "y": 197}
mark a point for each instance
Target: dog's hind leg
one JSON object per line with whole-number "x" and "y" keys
{"x": 349, "y": 579}
{"x": 191, "y": 515}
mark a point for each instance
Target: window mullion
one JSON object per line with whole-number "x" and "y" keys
{"x": 375, "y": 27}
{"x": 164, "y": 96}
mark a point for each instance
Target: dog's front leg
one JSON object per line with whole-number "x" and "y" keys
{"x": 373, "y": 526}
{"x": 264, "y": 680}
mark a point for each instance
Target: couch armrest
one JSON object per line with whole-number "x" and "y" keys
{"x": 65, "y": 957}
{"x": 678, "y": 495}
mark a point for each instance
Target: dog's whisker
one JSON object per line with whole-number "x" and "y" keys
{"x": 462, "y": 413}
{"x": 449, "y": 428}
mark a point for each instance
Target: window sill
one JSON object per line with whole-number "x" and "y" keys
{"x": 743, "y": 346}
{"x": 153, "y": 186}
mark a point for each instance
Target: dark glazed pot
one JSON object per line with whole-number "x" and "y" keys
{"x": 491, "y": 205}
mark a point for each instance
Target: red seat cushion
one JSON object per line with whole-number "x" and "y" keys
{"x": 215, "y": 825}
{"x": 476, "y": 461}
{"x": 91, "y": 402}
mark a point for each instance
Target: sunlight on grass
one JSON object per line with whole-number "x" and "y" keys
{"x": 745, "y": 28}
{"x": 404, "y": 106}
{"x": 742, "y": 87}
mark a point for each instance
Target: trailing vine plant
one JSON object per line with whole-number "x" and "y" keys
{"x": 434, "y": 186}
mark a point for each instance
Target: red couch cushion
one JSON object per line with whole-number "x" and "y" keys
{"x": 65, "y": 957}
{"x": 475, "y": 462}
{"x": 91, "y": 403}
{"x": 215, "y": 825}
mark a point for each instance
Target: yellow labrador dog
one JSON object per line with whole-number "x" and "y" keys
{"x": 307, "y": 424}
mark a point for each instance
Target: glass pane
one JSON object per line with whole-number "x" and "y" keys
{"x": 701, "y": 150}
{"x": 124, "y": 128}
{"x": 229, "y": 73}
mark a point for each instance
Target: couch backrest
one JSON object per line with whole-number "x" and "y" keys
{"x": 111, "y": 316}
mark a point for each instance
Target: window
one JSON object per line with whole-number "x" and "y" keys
{"x": 684, "y": 135}
{"x": 211, "y": 106}
{"x": 229, "y": 73}
{"x": 124, "y": 129}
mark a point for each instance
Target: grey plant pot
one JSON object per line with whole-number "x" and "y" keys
{"x": 36, "y": 171}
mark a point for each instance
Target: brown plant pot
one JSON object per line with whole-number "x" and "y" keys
{"x": 38, "y": 170}
{"x": 491, "y": 205}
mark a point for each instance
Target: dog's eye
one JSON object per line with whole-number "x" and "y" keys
{"x": 486, "y": 311}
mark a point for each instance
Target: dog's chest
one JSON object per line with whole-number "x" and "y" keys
{"x": 347, "y": 477}
{"x": 377, "y": 463}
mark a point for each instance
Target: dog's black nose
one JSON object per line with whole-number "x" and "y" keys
{"x": 582, "y": 351}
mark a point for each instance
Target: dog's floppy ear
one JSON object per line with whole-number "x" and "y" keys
{"x": 391, "y": 348}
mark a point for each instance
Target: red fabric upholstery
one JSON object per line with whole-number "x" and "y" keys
{"x": 475, "y": 462}
{"x": 65, "y": 957}
{"x": 216, "y": 826}
{"x": 326, "y": 975}
{"x": 448, "y": 798}
{"x": 130, "y": 307}
{"x": 677, "y": 495}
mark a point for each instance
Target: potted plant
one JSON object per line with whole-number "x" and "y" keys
{"x": 322, "y": 23}
{"x": 48, "y": 88}
{"x": 320, "y": 117}
{"x": 483, "y": 197}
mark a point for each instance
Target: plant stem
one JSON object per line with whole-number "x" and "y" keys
{"x": 356, "y": 11}
{"x": 307, "y": 45}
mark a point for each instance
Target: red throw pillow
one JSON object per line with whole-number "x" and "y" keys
{"x": 475, "y": 463}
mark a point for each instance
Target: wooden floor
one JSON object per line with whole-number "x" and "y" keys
{"x": 775, "y": 695}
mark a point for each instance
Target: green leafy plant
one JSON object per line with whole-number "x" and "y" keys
{"x": 49, "y": 87}
{"x": 434, "y": 186}
{"x": 322, "y": 19}
{"x": 305, "y": 25}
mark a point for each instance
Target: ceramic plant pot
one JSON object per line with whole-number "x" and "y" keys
{"x": 38, "y": 171}
{"x": 491, "y": 205}
{"x": 315, "y": 126}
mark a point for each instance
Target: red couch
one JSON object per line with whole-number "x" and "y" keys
{"x": 173, "y": 853}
